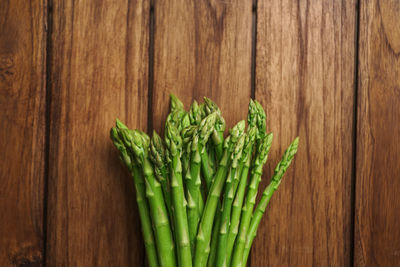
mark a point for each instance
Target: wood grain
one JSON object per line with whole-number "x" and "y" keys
{"x": 202, "y": 48}
{"x": 305, "y": 79}
{"x": 377, "y": 210}
{"x": 22, "y": 131}
{"x": 99, "y": 70}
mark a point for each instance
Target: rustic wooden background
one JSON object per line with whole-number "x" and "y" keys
{"x": 328, "y": 71}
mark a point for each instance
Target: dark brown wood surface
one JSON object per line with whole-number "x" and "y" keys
{"x": 327, "y": 71}
{"x": 202, "y": 49}
{"x": 22, "y": 131}
{"x": 99, "y": 65}
{"x": 305, "y": 79}
{"x": 377, "y": 213}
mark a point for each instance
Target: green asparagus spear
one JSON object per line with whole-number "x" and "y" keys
{"x": 256, "y": 118}
{"x": 195, "y": 113}
{"x": 138, "y": 145}
{"x": 194, "y": 195}
{"x": 143, "y": 207}
{"x": 158, "y": 157}
{"x": 256, "y": 130}
{"x": 206, "y": 128}
{"x": 205, "y": 227}
{"x": 187, "y": 135}
{"x": 174, "y": 144}
{"x": 280, "y": 170}
{"x": 212, "y": 160}
{"x": 218, "y": 133}
{"x": 175, "y": 103}
{"x": 229, "y": 193}
{"x": 261, "y": 158}
{"x": 203, "y": 112}
{"x": 207, "y": 167}
{"x": 214, "y": 237}
{"x": 207, "y": 162}
{"x": 177, "y": 116}
{"x": 239, "y": 197}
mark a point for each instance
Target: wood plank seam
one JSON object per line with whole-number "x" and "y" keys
{"x": 355, "y": 124}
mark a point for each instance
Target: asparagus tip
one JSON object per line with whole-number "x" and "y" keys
{"x": 120, "y": 125}
{"x": 175, "y": 102}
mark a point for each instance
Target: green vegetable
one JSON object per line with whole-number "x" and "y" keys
{"x": 261, "y": 158}
{"x": 214, "y": 237}
{"x": 195, "y": 115}
{"x": 239, "y": 197}
{"x": 187, "y": 135}
{"x": 194, "y": 194}
{"x": 158, "y": 158}
{"x": 280, "y": 170}
{"x": 256, "y": 118}
{"x": 230, "y": 190}
{"x": 174, "y": 144}
{"x": 218, "y": 133}
{"x": 138, "y": 145}
{"x": 143, "y": 207}
{"x": 175, "y": 103}
{"x": 205, "y": 227}
{"x": 178, "y": 116}
{"x": 194, "y": 199}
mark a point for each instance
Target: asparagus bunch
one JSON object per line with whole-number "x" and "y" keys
{"x": 196, "y": 205}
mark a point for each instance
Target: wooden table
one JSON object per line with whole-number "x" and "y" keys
{"x": 328, "y": 71}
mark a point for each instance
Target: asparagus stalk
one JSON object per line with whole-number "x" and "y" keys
{"x": 187, "y": 135}
{"x": 206, "y": 128}
{"x": 257, "y": 125}
{"x": 158, "y": 157}
{"x": 261, "y": 158}
{"x": 214, "y": 237}
{"x": 181, "y": 120}
{"x": 143, "y": 207}
{"x": 217, "y": 139}
{"x": 174, "y": 144}
{"x": 138, "y": 145}
{"x": 215, "y": 234}
{"x": 177, "y": 116}
{"x": 254, "y": 114}
{"x": 211, "y": 159}
{"x": 195, "y": 114}
{"x": 205, "y": 227}
{"x": 215, "y": 231}
{"x": 175, "y": 103}
{"x": 207, "y": 166}
{"x": 280, "y": 170}
{"x": 229, "y": 192}
{"x": 236, "y": 211}
{"x": 195, "y": 198}
{"x": 256, "y": 118}
{"x": 218, "y": 133}
{"x": 239, "y": 197}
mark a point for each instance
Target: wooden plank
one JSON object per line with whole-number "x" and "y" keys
{"x": 202, "y": 48}
{"x": 99, "y": 67}
{"x": 305, "y": 79}
{"x": 377, "y": 212}
{"x": 22, "y": 131}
